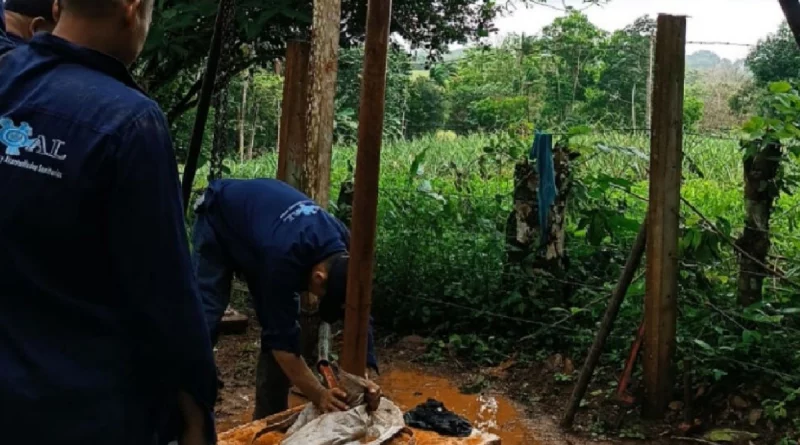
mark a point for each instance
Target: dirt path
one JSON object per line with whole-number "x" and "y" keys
{"x": 407, "y": 383}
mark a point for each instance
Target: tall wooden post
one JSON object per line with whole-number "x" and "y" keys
{"x": 293, "y": 124}
{"x": 365, "y": 200}
{"x": 323, "y": 65}
{"x": 666, "y": 153}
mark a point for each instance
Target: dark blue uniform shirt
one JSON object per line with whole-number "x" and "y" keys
{"x": 100, "y": 320}
{"x": 6, "y": 44}
{"x": 275, "y": 235}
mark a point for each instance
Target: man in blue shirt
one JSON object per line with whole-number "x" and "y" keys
{"x": 25, "y": 18}
{"x": 283, "y": 244}
{"x": 102, "y": 335}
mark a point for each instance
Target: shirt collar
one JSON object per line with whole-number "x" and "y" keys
{"x": 15, "y": 39}
{"x": 85, "y": 56}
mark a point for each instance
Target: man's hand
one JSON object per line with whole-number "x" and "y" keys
{"x": 330, "y": 400}
{"x": 372, "y": 395}
{"x": 300, "y": 374}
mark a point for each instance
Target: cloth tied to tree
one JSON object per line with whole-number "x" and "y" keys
{"x": 542, "y": 152}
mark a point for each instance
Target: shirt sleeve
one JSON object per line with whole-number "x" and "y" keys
{"x": 152, "y": 267}
{"x": 278, "y": 307}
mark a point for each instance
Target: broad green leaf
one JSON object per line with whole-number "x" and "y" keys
{"x": 780, "y": 87}
{"x": 703, "y": 344}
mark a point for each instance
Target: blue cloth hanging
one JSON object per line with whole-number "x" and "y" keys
{"x": 542, "y": 152}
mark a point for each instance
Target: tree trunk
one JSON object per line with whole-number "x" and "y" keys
{"x": 221, "y": 141}
{"x": 225, "y": 14}
{"x": 253, "y": 130}
{"x": 555, "y": 254}
{"x": 760, "y": 192}
{"x": 522, "y": 226}
{"x": 243, "y": 116}
{"x": 522, "y": 223}
{"x": 344, "y": 204}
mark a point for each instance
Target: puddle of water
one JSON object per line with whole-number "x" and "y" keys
{"x": 491, "y": 414}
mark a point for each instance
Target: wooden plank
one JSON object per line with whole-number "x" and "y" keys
{"x": 233, "y": 323}
{"x": 323, "y": 68}
{"x": 365, "y": 200}
{"x": 666, "y": 153}
{"x": 293, "y": 123}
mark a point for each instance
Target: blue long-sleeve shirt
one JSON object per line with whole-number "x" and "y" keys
{"x": 6, "y": 44}
{"x": 100, "y": 319}
{"x": 275, "y": 234}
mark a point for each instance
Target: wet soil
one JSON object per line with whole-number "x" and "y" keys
{"x": 495, "y": 409}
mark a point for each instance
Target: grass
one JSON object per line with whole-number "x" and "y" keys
{"x": 443, "y": 207}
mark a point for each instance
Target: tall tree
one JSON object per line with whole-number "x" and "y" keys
{"x": 178, "y": 43}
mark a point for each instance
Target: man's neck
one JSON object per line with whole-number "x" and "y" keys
{"x": 86, "y": 33}
{"x": 17, "y": 25}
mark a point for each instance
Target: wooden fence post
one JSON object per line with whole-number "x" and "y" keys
{"x": 666, "y": 153}
{"x": 365, "y": 200}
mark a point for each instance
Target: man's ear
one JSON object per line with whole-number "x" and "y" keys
{"x": 56, "y": 11}
{"x": 132, "y": 12}
{"x": 318, "y": 278}
{"x": 40, "y": 24}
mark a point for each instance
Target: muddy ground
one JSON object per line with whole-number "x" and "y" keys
{"x": 524, "y": 400}
{"x": 515, "y": 402}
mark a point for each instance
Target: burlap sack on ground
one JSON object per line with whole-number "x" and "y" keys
{"x": 353, "y": 427}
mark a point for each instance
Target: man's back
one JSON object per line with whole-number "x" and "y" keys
{"x": 80, "y": 160}
{"x": 274, "y": 219}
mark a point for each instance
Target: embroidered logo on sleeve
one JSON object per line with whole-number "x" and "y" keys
{"x": 299, "y": 209}
{"x": 18, "y": 138}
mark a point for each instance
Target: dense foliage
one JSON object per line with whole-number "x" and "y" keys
{"x": 454, "y": 132}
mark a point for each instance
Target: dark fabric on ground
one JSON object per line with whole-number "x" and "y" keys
{"x": 433, "y": 416}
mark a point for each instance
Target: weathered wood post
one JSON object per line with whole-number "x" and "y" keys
{"x": 365, "y": 201}
{"x": 666, "y": 153}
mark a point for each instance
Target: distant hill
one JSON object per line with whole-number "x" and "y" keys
{"x": 706, "y": 60}
{"x": 699, "y": 60}
{"x": 420, "y": 56}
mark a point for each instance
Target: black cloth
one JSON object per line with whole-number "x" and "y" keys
{"x": 433, "y": 416}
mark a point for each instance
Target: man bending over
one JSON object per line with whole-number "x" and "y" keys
{"x": 283, "y": 244}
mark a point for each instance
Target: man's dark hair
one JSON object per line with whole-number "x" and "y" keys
{"x": 32, "y": 8}
{"x": 331, "y": 306}
{"x": 92, "y": 8}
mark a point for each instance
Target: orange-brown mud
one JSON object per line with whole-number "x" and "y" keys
{"x": 403, "y": 381}
{"x": 408, "y": 387}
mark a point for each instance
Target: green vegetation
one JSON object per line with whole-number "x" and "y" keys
{"x": 455, "y": 131}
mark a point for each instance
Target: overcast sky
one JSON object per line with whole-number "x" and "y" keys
{"x": 737, "y": 21}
